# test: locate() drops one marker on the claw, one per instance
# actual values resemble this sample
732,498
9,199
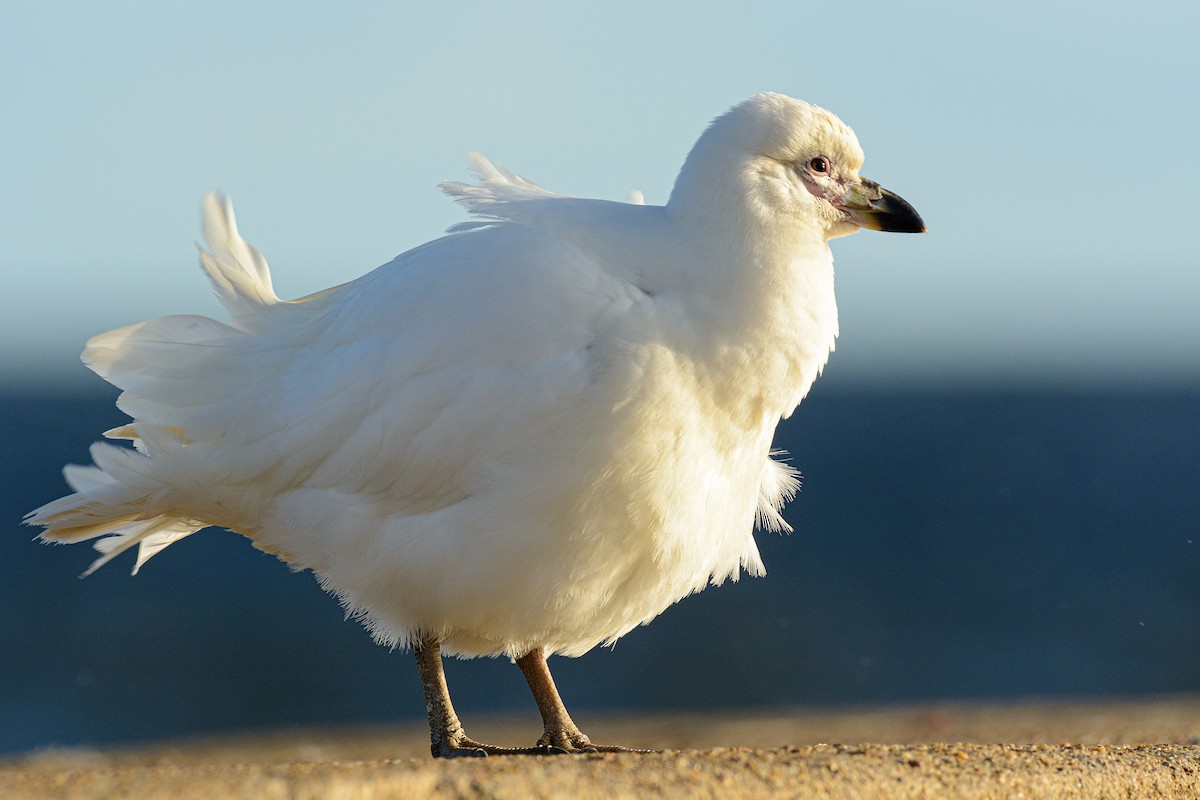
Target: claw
446,751
459,745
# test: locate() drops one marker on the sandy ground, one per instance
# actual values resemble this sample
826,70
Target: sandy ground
1102,750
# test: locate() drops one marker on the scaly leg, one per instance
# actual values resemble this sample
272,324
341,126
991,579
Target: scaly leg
447,739
561,734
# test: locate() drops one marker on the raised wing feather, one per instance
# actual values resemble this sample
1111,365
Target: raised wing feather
401,386
398,393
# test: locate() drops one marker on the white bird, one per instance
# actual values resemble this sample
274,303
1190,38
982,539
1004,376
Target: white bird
526,437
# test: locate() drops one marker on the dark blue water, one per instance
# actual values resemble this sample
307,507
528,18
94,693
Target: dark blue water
949,544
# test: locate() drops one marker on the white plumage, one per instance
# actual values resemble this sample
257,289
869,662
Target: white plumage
538,431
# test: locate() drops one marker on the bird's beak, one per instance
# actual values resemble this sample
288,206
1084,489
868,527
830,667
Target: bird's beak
869,205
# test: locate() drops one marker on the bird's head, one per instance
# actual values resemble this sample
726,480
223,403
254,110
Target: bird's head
784,159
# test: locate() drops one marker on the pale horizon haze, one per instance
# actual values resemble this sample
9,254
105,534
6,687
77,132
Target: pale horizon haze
1050,147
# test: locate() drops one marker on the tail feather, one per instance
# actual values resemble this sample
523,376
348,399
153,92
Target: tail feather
239,273
151,537
173,372
111,503
164,365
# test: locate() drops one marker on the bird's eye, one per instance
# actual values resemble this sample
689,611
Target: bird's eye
819,165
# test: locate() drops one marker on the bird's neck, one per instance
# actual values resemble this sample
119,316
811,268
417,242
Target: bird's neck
749,301
761,309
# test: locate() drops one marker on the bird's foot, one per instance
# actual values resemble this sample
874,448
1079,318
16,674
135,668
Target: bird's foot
456,744
467,749
563,742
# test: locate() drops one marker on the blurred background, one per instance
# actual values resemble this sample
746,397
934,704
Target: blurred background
1001,464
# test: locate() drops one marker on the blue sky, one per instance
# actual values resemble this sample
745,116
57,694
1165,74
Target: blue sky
1051,148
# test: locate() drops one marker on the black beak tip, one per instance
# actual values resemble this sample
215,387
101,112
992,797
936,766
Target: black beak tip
896,215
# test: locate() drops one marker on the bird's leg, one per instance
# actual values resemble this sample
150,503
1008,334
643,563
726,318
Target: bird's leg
446,737
561,734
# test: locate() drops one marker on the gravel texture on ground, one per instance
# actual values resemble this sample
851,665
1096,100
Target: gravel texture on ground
1101,750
